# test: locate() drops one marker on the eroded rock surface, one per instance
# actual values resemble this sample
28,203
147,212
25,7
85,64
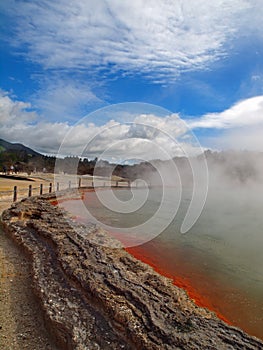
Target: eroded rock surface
96,296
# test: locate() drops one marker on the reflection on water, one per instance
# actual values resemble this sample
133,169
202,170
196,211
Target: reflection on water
219,261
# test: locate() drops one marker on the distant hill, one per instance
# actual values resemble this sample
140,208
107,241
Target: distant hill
15,154
17,148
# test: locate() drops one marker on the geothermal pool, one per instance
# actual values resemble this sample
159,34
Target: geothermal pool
219,261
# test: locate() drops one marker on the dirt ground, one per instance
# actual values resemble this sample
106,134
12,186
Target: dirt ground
21,322
7,187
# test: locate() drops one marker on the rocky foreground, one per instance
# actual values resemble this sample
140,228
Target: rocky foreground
96,296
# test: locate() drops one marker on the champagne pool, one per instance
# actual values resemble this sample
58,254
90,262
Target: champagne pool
219,262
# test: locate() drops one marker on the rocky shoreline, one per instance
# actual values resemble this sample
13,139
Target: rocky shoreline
96,296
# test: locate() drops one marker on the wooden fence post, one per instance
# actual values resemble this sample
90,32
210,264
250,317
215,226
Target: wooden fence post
50,187
79,182
69,184
57,186
15,194
29,190
41,189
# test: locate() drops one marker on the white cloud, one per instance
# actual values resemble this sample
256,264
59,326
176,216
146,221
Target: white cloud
248,112
14,112
240,127
148,137
171,124
19,124
160,39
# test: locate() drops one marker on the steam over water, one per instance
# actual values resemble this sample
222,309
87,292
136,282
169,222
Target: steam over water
219,261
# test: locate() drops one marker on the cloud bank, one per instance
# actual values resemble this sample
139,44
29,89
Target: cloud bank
147,136
239,127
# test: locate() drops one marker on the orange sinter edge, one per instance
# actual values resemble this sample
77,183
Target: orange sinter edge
198,299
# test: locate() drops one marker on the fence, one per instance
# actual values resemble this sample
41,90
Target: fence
16,193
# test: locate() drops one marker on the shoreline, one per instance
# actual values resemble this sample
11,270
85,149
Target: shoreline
198,299
35,213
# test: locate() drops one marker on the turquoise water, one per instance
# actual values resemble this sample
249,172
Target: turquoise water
220,257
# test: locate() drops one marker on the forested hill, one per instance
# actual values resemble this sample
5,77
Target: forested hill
16,150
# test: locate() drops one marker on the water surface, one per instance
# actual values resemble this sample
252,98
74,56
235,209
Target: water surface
219,261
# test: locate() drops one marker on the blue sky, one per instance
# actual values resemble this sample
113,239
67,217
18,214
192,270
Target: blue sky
62,60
